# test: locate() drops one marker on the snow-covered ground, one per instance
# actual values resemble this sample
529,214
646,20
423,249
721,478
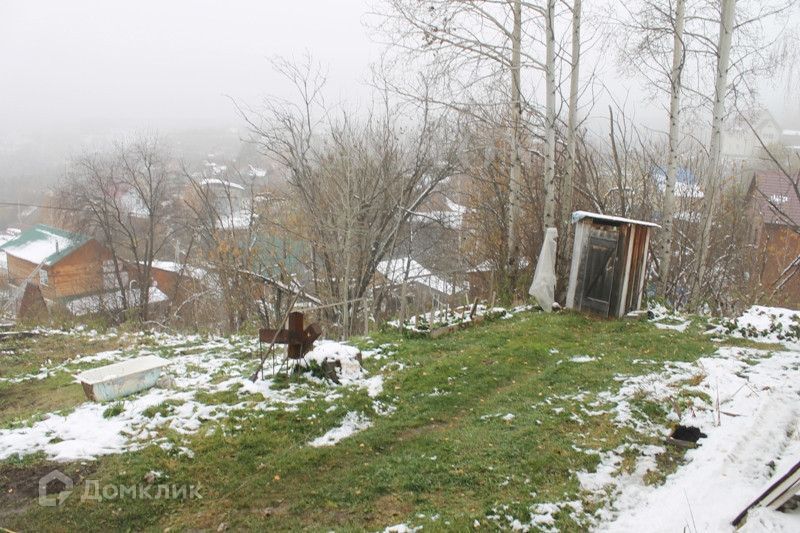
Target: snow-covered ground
752,429
747,402
765,324
449,317
198,367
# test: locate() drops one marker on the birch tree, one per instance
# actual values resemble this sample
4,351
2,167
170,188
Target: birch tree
752,42
572,117
515,178
654,46
668,209
726,27
550,118
470,44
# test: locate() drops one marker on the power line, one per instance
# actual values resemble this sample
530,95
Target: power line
19,204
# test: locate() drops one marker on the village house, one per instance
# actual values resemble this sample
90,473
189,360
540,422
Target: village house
687,192
228,202
61,263
435,235
744,142
775,212
178,281
403,277
69,269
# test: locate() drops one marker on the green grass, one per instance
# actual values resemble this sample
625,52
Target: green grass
114,409
435,455
24,401
27,355
163,409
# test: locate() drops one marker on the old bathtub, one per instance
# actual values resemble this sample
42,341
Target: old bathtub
120,379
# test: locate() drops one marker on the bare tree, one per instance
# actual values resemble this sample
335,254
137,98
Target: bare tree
358,181
227,225
125,197
572,118
550,117
676,74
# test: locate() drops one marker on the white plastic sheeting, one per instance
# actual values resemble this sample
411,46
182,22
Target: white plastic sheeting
543,287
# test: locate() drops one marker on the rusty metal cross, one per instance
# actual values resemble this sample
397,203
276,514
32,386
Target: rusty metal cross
299,340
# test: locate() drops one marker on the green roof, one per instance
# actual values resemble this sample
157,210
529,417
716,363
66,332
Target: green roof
44,244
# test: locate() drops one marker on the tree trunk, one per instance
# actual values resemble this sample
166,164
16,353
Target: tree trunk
515,178
572,119
572,141
668,206
727,16
550,132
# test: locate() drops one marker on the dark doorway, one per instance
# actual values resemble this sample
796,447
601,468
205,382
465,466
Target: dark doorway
598,282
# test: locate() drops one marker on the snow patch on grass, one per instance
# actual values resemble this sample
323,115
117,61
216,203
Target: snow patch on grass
352,423
423,324
210,381
663,318
402,528
764,324
541,517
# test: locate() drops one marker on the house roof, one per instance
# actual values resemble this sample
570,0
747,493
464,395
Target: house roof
44,244
776,200
111,301
682,175
395,271
179,268
227,184
577,216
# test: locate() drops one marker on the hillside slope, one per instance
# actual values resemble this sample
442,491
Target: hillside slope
540,421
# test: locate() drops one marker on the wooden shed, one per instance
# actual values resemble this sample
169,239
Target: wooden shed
609,263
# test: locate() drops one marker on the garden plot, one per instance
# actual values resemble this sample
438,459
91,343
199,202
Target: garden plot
209,382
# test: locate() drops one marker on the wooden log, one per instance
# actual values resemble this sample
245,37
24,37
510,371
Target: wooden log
474,309
439,332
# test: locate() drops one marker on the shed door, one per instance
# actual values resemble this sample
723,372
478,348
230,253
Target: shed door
598,281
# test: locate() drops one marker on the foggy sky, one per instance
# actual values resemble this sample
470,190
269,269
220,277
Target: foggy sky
85,64
90,65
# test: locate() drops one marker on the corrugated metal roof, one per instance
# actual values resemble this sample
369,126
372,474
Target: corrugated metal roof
44,244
